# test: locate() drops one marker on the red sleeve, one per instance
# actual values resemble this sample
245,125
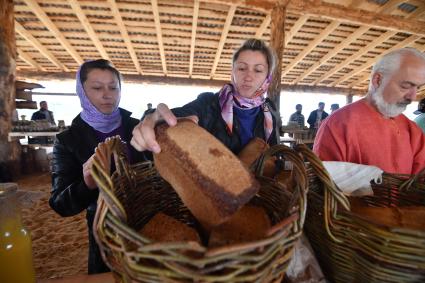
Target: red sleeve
329,143
418,147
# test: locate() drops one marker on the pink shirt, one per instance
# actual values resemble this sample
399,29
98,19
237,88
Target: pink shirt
360,134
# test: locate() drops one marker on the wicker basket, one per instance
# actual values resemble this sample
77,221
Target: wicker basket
352,249
135,193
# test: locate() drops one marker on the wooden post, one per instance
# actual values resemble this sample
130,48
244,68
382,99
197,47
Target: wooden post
277,42
349,98
9,152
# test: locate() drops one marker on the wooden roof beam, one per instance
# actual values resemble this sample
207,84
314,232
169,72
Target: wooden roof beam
319,38
37,45
356,3
155,12
42,16
224,33
193,37
388,7
149,79
338,12
371,61
264,25
295,28
29,60
356,55
123,30
419,12
344,43
89,29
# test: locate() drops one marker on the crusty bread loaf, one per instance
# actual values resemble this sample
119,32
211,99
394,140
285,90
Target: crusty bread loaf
163,228
252,151
412,217
211,181
249,224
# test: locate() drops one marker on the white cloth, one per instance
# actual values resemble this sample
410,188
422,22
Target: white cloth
353,179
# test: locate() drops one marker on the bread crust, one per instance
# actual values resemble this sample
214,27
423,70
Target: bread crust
208,177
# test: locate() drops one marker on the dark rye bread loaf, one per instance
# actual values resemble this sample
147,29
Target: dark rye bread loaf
211,181
163,228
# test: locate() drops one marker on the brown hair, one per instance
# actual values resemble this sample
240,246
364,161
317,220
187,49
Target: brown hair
254,44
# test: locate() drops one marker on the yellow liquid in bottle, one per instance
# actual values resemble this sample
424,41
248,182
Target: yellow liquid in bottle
15,254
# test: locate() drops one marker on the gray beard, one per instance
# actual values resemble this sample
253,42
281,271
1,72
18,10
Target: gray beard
387,109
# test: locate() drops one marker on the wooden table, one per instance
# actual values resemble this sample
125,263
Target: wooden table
95,278
293,141
12,135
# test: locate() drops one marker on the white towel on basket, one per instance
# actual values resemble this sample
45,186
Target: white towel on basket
353,179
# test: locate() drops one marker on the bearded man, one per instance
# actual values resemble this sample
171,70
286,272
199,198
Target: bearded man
373,130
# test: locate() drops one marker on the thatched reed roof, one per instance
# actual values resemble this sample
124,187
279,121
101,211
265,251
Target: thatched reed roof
328,44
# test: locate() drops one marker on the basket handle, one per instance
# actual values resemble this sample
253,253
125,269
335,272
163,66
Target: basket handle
300,173
332,195
101,172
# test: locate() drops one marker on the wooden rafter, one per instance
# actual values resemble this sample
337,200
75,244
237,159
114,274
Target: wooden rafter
356,3
193,82
319,38
259,33
366,65
223,37
29,60
332,53
42,16
356,55
295,28
37,45
337,12
89,29
419,12
123,30
390,6
155,11
193,36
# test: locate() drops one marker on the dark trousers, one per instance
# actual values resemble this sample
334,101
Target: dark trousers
95,262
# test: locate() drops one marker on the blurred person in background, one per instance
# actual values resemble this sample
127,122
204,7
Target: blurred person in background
44,113
420,120
297,116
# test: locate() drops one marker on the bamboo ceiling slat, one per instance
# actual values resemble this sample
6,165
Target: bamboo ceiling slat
330,43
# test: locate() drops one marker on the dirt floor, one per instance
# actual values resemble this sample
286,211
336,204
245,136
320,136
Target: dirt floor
60,244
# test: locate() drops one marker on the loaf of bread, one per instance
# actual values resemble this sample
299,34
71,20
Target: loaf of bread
249,224
412,217
211,181
252,151
163,228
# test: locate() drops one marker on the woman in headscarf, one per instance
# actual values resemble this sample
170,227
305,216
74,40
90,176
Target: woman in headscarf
74,190
239,112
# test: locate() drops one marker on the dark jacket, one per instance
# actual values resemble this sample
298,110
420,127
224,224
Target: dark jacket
70,195
313,117
208,110
38,115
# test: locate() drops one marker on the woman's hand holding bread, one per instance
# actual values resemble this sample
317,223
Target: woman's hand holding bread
144,134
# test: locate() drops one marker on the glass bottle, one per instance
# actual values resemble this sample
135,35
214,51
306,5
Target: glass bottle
16,264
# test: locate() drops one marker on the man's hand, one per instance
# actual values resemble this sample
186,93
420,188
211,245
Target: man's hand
144,133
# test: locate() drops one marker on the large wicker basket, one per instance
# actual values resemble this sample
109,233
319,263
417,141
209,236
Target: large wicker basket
350,248
134,193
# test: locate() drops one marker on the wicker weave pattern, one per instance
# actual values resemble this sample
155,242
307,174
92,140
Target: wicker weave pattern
133,194
352,249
